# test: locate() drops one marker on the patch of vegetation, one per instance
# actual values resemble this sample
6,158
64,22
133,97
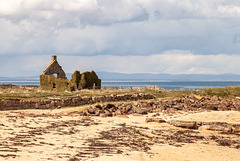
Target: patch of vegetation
225,92
88,80
50,82
74,82
175,93
38,93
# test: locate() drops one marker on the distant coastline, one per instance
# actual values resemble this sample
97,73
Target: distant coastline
165,81
167,85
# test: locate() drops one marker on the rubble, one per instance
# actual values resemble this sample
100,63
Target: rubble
122,104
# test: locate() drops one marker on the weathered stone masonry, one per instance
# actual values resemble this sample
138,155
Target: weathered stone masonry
54,68
20,104
86,80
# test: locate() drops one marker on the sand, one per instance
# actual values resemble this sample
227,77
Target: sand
62,134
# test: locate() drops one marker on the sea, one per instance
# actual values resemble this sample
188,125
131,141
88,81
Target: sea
167,85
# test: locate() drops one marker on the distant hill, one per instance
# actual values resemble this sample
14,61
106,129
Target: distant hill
107,76
31,78
168,77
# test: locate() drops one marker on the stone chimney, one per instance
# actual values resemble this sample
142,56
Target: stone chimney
54,57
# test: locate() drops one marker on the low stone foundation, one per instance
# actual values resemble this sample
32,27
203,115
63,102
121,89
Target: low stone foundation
11,86
19,104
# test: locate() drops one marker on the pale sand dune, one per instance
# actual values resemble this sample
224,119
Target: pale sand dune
52,135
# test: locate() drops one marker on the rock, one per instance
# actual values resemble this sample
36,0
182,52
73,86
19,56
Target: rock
137,114
102,115
141,110
97,113
123,116
211,107
174,102
215,98
216,128
199,123
177,107
215,123
144,104
108,114
86,99
98,107
83,113
88,114
74,159
236,128
91,111
118,112
155,115
184,124
200,98
128,108
109,106
158,120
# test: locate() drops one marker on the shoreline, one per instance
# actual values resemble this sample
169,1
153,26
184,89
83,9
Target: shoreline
128,84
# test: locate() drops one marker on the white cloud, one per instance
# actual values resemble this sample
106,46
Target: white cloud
127,27
178,62
124,30
170,62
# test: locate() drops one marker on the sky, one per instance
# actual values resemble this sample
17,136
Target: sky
127,36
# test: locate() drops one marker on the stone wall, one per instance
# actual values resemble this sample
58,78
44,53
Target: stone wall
5,86
11,86
89,80
19,104
86,80
50,82
54,68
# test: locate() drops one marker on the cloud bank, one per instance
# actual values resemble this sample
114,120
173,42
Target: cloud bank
113,27
170,62
131,36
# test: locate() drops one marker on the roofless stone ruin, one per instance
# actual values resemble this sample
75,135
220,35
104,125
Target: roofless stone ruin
54,78
54,68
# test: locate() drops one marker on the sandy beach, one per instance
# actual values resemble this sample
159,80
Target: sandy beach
62,134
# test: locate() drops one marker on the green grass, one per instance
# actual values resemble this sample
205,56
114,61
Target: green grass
37,93
225,92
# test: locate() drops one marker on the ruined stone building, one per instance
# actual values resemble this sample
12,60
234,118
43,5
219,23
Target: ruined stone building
54,78
54,68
